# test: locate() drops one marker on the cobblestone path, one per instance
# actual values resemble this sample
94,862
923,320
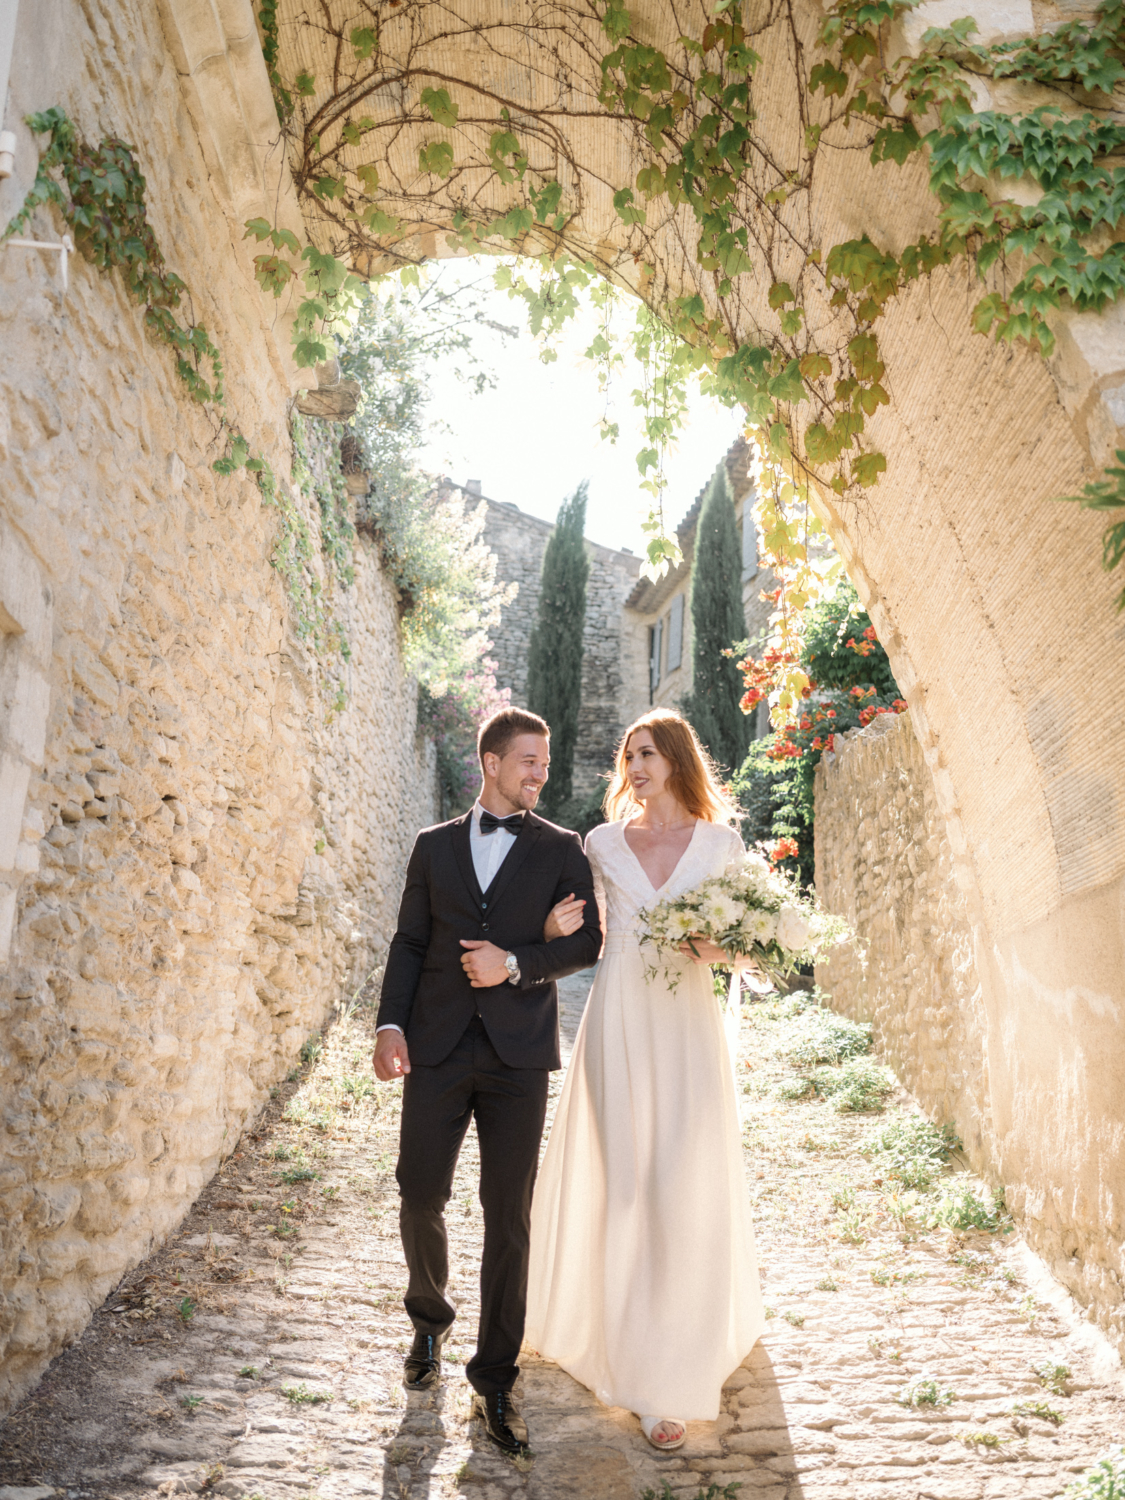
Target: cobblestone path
259,1352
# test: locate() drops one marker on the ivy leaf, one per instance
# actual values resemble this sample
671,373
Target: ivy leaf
857,46
791,321
868,467
863,351
380,223
622,202
821,446
788,386
515,222
306,85
891,144
616,21
830,79
330,187
870,397
261,229
813,366
368,175
364,42
546,200
440,106
436,158
781,293
650,181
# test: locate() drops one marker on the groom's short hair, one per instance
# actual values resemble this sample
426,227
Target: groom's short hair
498,732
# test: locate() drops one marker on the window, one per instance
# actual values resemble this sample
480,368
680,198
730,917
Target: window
655,638
749,535
675,634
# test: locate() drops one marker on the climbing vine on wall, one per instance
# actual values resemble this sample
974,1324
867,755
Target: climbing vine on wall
101,196
807,368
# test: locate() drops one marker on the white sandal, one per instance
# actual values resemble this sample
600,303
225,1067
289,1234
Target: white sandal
649,1426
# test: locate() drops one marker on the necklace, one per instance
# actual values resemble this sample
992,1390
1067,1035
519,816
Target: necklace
664,827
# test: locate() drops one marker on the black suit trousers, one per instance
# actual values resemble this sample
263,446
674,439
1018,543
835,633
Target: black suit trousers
509,1106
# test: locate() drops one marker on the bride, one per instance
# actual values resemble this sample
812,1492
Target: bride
643,1278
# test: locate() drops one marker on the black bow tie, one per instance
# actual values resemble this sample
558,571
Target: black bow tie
489,822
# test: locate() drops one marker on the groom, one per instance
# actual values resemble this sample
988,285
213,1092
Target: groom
469,1018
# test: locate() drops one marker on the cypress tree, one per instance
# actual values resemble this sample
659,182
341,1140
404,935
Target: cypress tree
718,623
554,658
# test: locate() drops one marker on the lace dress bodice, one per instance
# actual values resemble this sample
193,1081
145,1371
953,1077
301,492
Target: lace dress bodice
623,888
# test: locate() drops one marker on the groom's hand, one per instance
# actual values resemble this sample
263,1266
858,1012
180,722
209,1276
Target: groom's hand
484,964
391,1058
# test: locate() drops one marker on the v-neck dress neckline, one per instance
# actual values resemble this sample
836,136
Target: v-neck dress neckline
656,889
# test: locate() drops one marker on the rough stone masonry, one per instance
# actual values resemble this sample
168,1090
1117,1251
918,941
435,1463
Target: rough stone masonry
198,855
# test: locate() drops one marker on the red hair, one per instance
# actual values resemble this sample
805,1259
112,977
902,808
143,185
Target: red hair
694,781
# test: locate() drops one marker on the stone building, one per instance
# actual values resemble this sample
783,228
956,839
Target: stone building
659,613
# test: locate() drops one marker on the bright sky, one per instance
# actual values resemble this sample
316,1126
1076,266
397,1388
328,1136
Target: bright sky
534,437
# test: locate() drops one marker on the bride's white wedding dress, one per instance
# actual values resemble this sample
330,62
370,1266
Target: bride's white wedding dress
644,1279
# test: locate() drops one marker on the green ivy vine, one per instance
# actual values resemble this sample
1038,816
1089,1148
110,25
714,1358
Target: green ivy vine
102,199
810,375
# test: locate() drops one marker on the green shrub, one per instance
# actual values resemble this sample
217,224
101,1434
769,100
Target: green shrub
961,1209
1104,1481
911,1150
859,1087
821,1036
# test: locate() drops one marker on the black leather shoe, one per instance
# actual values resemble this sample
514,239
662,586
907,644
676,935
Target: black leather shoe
502,1421
421,1369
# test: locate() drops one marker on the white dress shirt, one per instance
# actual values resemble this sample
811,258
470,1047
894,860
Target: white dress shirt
489,850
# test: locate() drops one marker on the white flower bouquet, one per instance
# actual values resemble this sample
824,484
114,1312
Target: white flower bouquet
751,911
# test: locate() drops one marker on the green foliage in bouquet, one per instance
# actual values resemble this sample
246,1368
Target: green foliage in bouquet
751,910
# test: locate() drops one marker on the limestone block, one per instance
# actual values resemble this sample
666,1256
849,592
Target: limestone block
14,778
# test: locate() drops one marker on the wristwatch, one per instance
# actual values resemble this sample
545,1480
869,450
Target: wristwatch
511,963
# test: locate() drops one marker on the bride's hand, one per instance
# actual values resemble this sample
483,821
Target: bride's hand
702,951
563,919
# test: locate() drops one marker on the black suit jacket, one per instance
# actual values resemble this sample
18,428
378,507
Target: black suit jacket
425,989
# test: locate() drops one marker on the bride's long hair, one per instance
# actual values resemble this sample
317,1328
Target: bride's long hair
694,781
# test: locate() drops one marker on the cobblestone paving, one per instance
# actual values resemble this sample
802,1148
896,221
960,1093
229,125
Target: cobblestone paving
259,1352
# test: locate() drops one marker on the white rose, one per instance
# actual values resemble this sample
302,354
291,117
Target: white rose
792,929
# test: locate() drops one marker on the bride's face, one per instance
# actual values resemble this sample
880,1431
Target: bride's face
645,767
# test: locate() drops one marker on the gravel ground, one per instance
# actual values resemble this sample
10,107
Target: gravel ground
258,1353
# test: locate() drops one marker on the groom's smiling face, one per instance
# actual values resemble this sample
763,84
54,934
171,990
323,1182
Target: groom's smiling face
518,776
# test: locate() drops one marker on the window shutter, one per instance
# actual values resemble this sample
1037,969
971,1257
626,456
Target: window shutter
675,634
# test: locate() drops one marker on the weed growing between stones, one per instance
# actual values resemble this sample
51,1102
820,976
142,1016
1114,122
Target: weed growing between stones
924,1390
301,1395
1052,1376
1038,1409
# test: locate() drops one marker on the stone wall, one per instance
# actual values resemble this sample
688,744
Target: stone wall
612,651
199,850
884,862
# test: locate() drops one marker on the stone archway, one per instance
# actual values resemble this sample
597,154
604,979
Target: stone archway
999,621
